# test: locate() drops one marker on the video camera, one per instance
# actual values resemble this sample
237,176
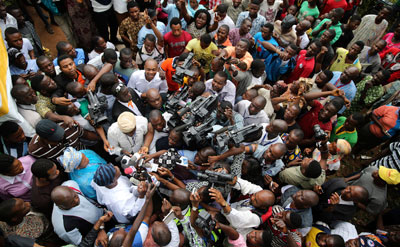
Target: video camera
97,106
319,133
184,69
197,135
205,222
229,134
171,158
215,177
177,100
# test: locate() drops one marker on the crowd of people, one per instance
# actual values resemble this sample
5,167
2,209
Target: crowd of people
233,123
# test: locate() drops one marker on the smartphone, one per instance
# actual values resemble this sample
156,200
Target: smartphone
194,190
73,100
170,216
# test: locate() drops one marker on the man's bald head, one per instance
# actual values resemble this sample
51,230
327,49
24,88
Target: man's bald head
89,71
278,126
154,98
160,233
153,93
263,199
349,74
257,105
150,62
280,148
64,197
197,89
305,199
180,197
155,114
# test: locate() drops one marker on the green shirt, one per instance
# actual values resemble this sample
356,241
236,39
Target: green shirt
337,28
350,136
293,176
307,11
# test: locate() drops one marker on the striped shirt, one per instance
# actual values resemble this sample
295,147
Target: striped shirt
391,161
40,149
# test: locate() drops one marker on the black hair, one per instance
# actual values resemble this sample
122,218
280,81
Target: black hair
199,86
40,168
254,136
269,26
206,39
182,57
62,110
388,8
247,43
332,32
126,51
358,117
360,44
338,103
175,21
226,27
110,54
163,237
298,132
386,74
63,57
294,47
266,238
6,162
14,93
6,208
14,79
313,169
154,114
203,11
222,8
355,18
253,171
151,13
338,241
106,78
10,31
60,47
222,74
257,64
328,74
225,104
246,19
132,4
150,37
95,39
295,220
339,11
317,43
36,82
41,59
8,128
256,2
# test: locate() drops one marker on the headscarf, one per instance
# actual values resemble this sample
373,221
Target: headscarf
104,175
191,11
71,159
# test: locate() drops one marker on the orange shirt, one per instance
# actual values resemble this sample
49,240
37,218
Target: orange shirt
226,43
80,78
247,58
167,67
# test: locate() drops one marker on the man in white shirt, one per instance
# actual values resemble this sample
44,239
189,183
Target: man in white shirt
14,39
108,56
221,86
302,37
6,20
143,80
252,112
117,193
222,11
26,99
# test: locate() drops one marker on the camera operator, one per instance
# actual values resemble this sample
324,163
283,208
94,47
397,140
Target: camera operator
225,116
320,114
221,86
253,111
196,90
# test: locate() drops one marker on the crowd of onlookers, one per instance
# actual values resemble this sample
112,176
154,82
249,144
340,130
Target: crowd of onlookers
112,146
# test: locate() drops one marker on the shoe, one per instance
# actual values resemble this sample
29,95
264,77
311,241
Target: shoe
49,29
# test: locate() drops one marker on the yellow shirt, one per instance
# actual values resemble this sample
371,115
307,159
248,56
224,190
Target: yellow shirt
203,56
340,65
311,238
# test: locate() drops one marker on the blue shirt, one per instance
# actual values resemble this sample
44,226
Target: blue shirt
172,12
32,67
80,57
260,51
349,89
256,25
144,31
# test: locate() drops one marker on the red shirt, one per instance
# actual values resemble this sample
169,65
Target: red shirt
333,4
311,118
176,45
168,68
390,53
304,67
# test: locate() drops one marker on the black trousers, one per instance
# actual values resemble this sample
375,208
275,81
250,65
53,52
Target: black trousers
105,20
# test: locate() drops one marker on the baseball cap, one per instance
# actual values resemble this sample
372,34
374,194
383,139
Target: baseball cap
390,176
13,53
49,130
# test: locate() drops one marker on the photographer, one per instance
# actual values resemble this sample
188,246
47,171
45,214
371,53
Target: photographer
320,114
225,116
221,86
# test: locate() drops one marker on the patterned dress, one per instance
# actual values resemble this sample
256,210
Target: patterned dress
131,28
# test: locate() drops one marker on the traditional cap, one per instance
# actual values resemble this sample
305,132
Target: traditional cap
126,122
104,175
390,176
343,147
49,130
71,159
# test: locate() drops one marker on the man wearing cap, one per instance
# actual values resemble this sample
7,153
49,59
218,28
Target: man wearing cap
129,134
375,180
52,139
117,193
19,65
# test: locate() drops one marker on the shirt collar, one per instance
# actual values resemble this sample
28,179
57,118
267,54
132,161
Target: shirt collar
11,179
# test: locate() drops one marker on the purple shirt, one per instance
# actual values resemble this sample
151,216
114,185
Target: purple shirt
18,186
235,37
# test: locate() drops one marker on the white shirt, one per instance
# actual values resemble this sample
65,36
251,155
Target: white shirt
243,108
122,200
268,11
94,54
227,93
120,6
304,40
140,84
98,7
30,114
226,21
264,137
26,47
10,21
97,61
121,141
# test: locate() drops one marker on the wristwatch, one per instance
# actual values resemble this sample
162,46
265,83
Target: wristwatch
224,205
194,208
101,227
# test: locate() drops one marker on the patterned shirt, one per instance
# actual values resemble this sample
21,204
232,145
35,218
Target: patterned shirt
44,105
131,28
32,226
256,24
234,36
372,95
